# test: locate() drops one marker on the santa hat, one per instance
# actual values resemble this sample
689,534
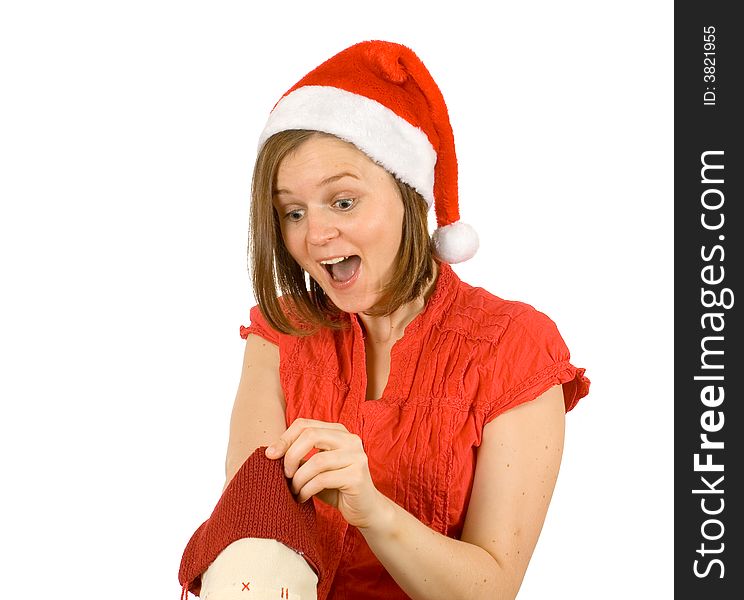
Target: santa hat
380,97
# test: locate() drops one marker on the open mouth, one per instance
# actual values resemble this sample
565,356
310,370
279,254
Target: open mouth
342,268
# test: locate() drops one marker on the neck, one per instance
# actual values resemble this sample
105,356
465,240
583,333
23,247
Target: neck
389,328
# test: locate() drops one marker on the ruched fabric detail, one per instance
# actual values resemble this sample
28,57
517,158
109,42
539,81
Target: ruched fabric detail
468,357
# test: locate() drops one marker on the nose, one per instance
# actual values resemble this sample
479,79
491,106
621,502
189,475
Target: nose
320,228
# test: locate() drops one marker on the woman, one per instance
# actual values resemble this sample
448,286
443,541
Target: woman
425,416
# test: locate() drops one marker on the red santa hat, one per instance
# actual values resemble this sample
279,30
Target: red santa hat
380,97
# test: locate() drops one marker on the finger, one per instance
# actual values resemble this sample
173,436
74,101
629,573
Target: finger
320,462
325,480
315,437
279,447
347,480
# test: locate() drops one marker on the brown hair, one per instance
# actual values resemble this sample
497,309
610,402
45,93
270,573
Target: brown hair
275,272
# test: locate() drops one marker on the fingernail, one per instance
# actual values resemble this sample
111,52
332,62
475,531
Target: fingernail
270,451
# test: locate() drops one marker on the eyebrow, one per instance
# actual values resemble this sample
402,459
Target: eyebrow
325,181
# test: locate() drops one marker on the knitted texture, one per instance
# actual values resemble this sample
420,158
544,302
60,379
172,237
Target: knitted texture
257,503
468,357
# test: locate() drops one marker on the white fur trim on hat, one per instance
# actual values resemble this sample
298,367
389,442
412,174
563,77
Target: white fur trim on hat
389,140
456,242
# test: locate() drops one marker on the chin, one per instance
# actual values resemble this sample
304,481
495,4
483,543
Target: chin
350,300
351,306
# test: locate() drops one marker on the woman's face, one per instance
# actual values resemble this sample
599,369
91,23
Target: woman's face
341,218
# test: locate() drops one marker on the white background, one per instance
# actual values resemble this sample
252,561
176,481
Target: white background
127,140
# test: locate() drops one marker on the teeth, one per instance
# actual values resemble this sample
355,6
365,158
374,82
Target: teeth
333,261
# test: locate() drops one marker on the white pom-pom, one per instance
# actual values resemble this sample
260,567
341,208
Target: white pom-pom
456,242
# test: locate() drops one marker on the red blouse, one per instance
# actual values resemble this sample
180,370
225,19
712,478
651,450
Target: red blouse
465,359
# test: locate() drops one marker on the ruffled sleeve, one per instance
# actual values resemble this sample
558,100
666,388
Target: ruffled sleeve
260,326
530,358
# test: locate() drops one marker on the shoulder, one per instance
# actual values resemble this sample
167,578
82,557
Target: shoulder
514,345
259,325
518,350
479,314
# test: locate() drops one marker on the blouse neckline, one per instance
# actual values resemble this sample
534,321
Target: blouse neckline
440,298
445,288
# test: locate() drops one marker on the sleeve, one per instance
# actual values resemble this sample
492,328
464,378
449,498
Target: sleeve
530,358
260,326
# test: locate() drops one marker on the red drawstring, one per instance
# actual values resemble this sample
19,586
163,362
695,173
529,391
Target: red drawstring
185,591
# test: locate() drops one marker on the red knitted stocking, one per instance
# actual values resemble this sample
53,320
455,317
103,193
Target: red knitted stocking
257,503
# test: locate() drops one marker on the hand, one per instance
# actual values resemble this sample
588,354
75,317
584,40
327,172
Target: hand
337,472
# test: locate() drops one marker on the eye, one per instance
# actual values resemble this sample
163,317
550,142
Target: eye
344,203
294,215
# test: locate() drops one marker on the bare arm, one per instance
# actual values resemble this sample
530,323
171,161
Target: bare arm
257,420
515,474
258,415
